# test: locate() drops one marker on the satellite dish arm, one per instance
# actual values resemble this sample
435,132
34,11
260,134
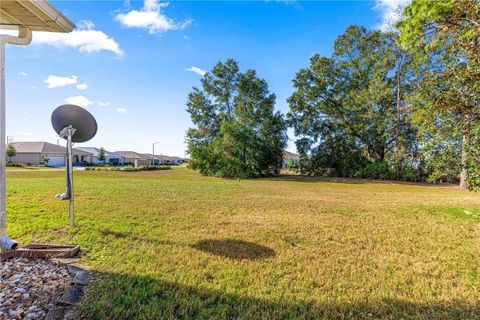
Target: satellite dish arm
67,134
68,192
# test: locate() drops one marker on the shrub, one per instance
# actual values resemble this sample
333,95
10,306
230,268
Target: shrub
408,174
376,170
334,156
14,164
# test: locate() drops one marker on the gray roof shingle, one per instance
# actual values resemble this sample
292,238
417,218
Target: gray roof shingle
131,155
94,151
44,147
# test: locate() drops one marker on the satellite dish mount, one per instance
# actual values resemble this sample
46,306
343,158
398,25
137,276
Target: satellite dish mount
73,124
67,134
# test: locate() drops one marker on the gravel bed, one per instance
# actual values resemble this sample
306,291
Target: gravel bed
29,288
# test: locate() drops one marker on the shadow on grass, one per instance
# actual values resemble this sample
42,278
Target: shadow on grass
121,296
228,248
235,249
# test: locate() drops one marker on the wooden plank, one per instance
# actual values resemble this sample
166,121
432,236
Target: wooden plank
39,250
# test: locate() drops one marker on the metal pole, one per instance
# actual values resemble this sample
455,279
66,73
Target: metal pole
153,152
24,38
3,152
70,175
5,242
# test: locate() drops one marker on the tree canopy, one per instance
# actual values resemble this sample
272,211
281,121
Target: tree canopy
444,36
348,109
237,133
403,104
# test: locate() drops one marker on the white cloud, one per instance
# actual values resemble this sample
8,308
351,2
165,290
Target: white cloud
23,74
57,81
102,104
391,11
33,88
82,86
81,101
150,17
196,70
121,110
85,24
84,39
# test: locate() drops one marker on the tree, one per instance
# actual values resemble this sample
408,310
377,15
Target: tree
237,133
291,164
445,37
349,109
405,134
45,159
11,152
101,156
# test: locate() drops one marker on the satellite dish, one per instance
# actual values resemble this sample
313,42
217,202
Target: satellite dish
73,124
80,119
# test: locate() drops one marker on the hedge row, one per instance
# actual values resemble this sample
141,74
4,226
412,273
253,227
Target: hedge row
129,169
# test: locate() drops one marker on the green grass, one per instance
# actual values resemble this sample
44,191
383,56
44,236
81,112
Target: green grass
174,245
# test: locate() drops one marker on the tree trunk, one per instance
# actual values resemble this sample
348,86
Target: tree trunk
397,129
399,114
464,173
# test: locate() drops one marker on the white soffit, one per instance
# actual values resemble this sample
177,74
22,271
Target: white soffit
38,15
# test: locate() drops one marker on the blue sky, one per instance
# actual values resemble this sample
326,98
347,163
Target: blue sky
128,62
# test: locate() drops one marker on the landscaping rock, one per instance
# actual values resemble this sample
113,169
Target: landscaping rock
71,296
29,287
56,313
81,278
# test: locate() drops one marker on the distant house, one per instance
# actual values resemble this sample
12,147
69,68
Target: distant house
164,160
134,158
176,160
34,153
290,156
155,161
110,157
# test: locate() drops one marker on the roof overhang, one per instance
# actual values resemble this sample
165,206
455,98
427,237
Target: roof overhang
37,15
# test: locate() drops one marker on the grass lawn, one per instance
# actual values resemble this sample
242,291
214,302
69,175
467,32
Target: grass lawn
175,245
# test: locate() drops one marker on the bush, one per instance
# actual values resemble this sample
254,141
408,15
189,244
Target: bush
103,165
334,156
14,164
376,170
408,174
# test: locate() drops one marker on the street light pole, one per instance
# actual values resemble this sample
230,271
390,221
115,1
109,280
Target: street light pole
153,153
